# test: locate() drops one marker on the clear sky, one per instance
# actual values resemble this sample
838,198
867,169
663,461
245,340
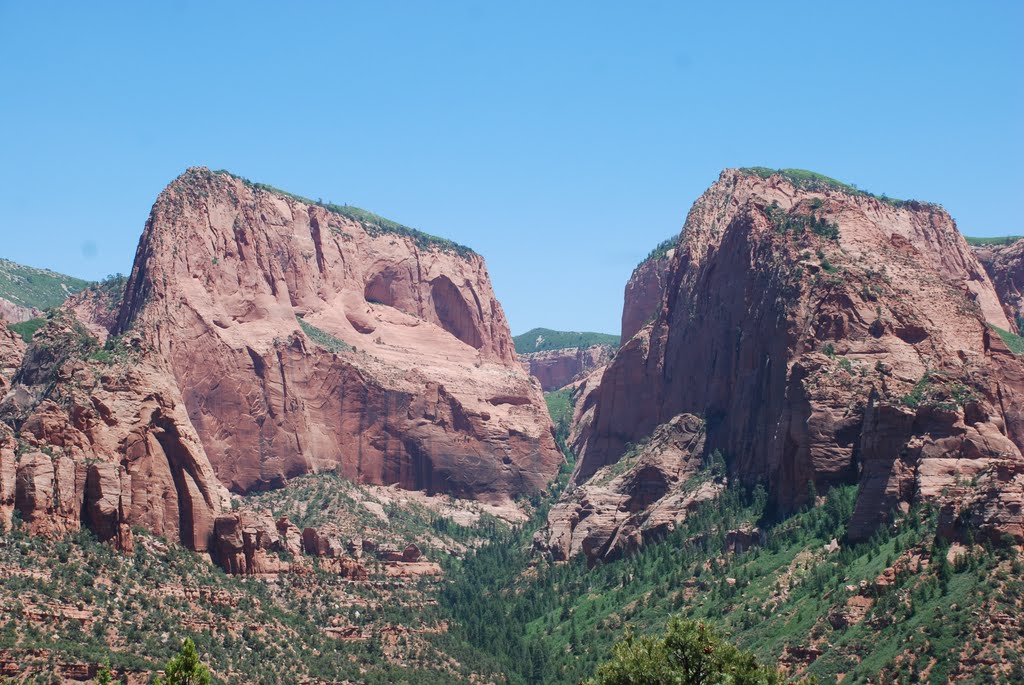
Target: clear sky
560,140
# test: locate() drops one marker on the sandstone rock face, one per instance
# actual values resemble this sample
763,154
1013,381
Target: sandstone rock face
249,543
8,475
645,292
401,370
1005,266
13,313
120,450
639,498
97,307
826,337
12,350
558,368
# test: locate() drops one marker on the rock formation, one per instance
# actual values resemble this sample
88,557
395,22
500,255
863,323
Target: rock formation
14,313
826,337
639,498
307,338
1005,266
12,350
558,368
645,289
107,443
252,543
261,337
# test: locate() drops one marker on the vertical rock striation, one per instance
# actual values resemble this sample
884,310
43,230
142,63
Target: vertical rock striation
307,338
826,337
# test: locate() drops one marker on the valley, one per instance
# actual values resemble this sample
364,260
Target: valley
303,436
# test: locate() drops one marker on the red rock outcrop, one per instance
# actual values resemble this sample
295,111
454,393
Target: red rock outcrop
1005,266
12,350
13,313
8,475
645,290
639,498
558,368
249,543
304,339
107,442
97,306
827,337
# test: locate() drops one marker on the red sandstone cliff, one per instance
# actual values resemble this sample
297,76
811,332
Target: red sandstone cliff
1005,266
558,368
262,337
103,442
305,340
862,357
645,290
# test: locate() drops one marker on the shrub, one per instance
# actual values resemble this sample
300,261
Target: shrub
690,653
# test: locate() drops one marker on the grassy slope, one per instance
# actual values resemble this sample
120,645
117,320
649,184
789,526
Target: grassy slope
27,286
1013,341
560,340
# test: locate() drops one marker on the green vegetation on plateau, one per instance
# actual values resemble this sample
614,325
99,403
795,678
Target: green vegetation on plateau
322,338
810,180
544,339
373,223
994,240
27,286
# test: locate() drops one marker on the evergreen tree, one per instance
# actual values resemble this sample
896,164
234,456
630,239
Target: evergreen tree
689,653
185,668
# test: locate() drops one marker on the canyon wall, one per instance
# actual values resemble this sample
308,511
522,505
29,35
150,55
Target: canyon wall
558,368
824,336
260,337
1005,266
305,338
645,291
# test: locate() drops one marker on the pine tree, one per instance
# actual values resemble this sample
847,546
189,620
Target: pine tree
185,668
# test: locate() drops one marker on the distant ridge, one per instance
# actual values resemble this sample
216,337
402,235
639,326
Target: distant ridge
27,286
544,339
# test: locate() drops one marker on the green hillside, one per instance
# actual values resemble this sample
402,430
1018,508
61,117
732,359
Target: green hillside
992,240
803,591
543,339
27,286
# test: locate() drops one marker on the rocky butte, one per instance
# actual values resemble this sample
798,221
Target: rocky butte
262,336
808,335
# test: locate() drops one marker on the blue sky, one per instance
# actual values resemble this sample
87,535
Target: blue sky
560,140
